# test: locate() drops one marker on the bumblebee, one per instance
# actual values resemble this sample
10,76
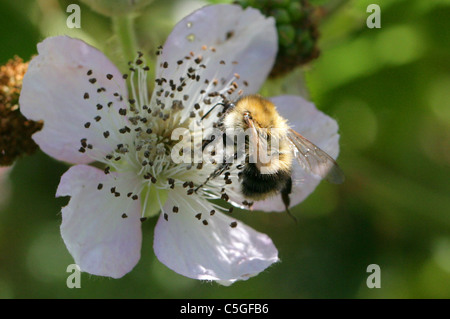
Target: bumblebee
259,178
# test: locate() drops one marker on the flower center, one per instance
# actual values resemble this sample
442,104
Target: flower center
141,135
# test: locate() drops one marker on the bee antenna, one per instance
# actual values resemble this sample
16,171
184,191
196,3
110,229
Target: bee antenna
226,105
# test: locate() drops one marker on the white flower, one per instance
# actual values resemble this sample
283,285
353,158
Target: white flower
90,115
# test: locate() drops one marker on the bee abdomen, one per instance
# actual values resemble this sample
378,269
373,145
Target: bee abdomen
258,186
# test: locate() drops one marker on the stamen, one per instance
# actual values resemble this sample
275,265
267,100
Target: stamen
144,139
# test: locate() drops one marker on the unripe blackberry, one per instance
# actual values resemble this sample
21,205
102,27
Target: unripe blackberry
297,31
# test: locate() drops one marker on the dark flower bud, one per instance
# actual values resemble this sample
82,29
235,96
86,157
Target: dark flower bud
15,129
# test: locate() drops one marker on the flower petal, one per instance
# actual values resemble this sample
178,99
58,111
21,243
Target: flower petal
215,251
58,90
101,231
222,43
316,126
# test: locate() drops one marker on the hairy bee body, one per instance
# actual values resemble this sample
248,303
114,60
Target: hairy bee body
270,132
262,180
257,186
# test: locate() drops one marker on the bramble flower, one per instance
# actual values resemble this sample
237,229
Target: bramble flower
217,53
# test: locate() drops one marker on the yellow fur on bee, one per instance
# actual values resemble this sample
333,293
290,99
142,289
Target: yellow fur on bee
269,125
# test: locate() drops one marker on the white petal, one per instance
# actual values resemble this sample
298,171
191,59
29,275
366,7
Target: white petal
244,40
215,251
53,90
305,118
316,126
101,241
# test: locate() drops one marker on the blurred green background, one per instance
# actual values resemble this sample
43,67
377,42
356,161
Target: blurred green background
389,90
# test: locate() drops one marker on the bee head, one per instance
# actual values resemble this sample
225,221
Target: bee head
254,111
248,121
247,116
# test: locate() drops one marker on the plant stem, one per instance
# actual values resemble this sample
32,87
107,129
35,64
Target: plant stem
332,7
124,29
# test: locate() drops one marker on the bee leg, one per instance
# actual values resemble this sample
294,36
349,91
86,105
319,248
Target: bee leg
205,143
214,174
201,185
290,215
285,198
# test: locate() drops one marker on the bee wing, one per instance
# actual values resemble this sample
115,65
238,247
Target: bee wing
313,159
